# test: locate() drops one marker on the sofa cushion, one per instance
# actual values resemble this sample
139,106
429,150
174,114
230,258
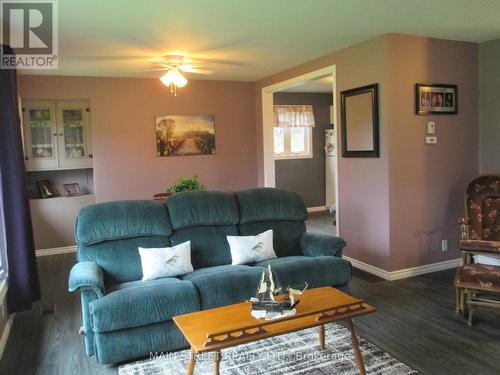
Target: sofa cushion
126,344
209,246
286,235
197,208
316,271
270,204
225,285
482,276
140,303
119,259
121,219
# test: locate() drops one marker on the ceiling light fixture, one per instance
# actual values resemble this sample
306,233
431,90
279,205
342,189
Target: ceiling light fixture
173,79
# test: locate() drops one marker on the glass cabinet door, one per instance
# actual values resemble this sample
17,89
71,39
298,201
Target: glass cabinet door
40,136
73,135
57,135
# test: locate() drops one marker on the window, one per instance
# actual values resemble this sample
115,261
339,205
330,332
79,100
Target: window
292,143
293,126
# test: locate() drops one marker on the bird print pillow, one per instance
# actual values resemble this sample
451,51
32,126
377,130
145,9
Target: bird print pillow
166,262
251,249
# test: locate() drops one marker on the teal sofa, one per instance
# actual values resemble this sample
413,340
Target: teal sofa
125,317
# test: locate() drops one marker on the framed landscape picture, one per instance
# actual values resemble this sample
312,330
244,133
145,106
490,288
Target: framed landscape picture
436,99
185,135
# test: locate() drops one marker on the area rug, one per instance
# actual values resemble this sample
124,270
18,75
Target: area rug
294,353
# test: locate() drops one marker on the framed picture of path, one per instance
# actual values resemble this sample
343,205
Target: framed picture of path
178,135
436,99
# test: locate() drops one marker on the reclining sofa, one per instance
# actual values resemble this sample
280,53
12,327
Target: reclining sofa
125,317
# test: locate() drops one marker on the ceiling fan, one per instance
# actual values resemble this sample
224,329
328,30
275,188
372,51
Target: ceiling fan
175,65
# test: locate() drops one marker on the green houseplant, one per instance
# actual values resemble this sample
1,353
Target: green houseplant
186,183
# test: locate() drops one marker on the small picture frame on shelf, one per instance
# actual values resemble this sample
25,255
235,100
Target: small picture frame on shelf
45,189
72,190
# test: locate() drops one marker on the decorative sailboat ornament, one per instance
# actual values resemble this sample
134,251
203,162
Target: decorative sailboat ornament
269,303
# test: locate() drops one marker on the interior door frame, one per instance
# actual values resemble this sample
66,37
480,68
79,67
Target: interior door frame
267,127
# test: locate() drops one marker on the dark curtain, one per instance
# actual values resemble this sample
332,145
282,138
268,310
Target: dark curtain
23,273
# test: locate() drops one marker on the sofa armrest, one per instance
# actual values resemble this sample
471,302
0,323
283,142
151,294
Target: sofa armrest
315,245
87,275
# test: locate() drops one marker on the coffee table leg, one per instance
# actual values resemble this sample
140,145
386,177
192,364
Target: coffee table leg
192,362
321,330
218,357
355,345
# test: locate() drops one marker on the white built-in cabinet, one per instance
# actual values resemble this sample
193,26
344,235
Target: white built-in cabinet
57,135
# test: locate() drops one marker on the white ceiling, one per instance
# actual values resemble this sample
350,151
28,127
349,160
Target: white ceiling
248,40
321,84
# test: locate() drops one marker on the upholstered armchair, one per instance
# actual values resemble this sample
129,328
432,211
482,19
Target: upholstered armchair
478,285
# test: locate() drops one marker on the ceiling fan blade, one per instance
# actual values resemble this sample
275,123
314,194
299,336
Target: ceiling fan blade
199,59
104,57
202,71
196,70
151,70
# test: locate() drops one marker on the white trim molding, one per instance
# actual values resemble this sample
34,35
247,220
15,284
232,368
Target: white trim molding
3,290
5,334
406,272
268,134
8,324
317,209
56,251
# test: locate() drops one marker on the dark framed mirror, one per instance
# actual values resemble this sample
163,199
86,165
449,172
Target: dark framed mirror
359,121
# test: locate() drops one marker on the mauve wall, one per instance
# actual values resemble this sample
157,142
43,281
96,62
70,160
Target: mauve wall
363,182
396,209
489,107
123,132
427,182
307,176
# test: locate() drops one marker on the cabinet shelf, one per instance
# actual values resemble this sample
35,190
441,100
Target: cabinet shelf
63,197
55,169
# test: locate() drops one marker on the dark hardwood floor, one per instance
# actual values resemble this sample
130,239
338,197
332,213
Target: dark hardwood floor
415,322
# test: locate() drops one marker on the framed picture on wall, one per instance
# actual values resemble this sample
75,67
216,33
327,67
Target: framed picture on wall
439,99
185,135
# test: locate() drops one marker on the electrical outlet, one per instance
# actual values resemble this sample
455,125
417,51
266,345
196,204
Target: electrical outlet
431,127
431,140
444,245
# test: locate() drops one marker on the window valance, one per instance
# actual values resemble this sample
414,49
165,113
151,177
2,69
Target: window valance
291,116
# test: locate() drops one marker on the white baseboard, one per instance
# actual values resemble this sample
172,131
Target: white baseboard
56,251
368,268
5,334
317,209
406,272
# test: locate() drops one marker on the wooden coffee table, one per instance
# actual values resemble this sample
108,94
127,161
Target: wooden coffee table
223,327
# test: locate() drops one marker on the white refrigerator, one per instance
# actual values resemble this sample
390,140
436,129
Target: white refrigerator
330,165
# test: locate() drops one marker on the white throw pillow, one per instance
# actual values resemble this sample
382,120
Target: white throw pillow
165,262
250,249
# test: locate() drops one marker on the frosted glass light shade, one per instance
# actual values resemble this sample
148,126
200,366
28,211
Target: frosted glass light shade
173,77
